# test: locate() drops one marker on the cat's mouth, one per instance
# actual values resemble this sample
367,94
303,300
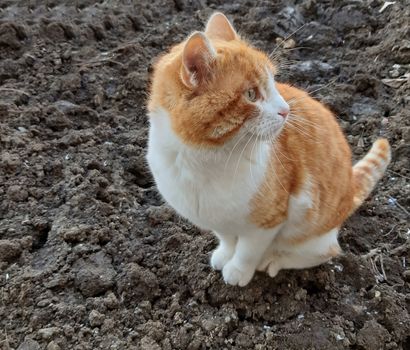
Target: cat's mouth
268,130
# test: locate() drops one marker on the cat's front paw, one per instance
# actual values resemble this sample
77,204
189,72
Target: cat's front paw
220,257
237,276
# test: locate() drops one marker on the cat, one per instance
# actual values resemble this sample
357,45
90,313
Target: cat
260,163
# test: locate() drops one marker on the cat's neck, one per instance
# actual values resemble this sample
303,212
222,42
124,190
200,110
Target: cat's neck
229,156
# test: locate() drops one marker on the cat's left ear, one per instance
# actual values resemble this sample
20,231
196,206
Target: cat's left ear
219,27
197,59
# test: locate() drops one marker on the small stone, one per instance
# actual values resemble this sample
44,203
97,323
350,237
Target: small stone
394,73
66,106
179,318
96,319
405,132
53,346
44,303
29,344
209,325
48,333
29,59
148,343
76,233
98,100
301,294
289,44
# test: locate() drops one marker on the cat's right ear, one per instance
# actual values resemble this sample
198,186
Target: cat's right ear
197,57
219,27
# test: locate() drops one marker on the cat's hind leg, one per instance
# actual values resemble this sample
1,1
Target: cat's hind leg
300,255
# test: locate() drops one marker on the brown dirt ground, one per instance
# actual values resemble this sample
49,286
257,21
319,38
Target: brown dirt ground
91,258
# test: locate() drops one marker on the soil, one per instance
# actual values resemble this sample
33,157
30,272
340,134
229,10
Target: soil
92,258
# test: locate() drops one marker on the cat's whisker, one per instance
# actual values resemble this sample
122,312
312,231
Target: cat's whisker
293,100
300,48
303,121
298,122
276,175
285,62
299,129
239,159
285,156
271,165
251,161
303,132
233,148
298,109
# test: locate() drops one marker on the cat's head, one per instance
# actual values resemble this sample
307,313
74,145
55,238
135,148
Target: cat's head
215,87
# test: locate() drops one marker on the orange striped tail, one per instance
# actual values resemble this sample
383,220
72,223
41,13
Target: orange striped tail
369,170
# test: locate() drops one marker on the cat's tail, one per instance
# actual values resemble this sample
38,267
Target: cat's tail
369,170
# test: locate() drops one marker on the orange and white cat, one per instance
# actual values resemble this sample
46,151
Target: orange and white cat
260,163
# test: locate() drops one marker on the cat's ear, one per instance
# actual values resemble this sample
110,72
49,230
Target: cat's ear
197,57
219,27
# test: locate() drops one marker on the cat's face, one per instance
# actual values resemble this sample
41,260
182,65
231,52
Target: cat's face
221,89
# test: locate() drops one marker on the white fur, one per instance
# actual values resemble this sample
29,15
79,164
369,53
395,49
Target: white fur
271,122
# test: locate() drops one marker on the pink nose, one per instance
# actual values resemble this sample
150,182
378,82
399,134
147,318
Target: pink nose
284,112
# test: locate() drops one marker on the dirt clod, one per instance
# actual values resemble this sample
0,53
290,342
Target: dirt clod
9,249
95,318
95,275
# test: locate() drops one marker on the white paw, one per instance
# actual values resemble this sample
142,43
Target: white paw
273,269
263,265
220,257
236,276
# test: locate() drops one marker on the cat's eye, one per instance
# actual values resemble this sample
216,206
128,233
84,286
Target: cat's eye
251,95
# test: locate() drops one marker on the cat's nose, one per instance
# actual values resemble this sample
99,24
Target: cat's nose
284,112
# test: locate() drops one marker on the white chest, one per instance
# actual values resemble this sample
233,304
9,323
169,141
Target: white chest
211,189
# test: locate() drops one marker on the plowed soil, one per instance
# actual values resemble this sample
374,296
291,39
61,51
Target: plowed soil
92,258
